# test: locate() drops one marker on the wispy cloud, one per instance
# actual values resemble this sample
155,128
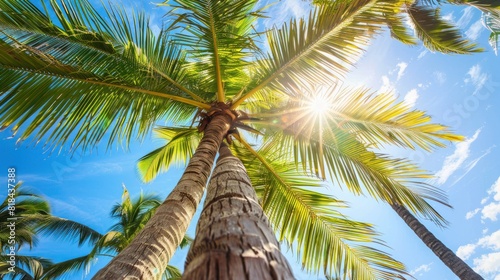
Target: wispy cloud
411,97
453,162
474,30
387,85
421,269
466,17
469,215
476,77
440,77
422,54
472,164
402,67
285,10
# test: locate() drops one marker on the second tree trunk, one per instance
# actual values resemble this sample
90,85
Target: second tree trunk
233,237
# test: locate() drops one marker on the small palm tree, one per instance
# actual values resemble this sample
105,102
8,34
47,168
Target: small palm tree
30,208
131,216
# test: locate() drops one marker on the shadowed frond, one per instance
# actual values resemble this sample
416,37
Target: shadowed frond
181,144
436,34
309,219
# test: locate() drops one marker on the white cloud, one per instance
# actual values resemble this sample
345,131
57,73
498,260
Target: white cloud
485,231
495,190
453,162
475,30
471,165
488,264
422,268
422,54
387,86
402,67
465,18
477,77
491,211
484,200
472,213
449,17
411,97
440,77
491,241
285,10
464,252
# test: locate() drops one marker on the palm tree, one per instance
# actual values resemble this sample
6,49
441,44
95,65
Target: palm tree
96,77
131,216
29,209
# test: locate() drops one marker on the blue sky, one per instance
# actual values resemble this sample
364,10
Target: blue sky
456,90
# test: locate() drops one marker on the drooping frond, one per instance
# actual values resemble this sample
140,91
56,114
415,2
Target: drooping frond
70,266
218,37
171,273
67,230
69,89
325,239
181,144
319,48
436,34
350,164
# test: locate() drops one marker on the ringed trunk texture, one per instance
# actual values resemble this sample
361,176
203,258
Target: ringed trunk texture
233,237
447,256
147,256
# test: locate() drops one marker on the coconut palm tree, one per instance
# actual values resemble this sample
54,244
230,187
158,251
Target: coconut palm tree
113,78
131,216
28,209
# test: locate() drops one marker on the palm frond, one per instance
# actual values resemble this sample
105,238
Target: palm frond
218,38
27,267
171,273
350,164
319,48
436,34
181,144
70,266
325,239
67,230
73,90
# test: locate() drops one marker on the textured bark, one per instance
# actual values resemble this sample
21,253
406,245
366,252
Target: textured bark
456,264
148,254
233,236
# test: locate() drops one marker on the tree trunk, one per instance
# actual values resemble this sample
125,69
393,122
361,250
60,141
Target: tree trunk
456,264
233,236
147,256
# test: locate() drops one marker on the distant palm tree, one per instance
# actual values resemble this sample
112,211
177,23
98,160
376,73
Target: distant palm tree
72,75
131,216
29,209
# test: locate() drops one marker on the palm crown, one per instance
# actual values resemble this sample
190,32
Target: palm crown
72,75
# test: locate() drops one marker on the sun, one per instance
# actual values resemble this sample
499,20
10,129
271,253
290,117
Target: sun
319,104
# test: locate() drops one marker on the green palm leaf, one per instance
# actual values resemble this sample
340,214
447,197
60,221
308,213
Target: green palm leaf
325,238
181,145
27,267
67,229
218,39
320,48
83,91
437,34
